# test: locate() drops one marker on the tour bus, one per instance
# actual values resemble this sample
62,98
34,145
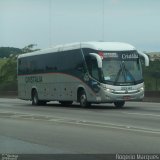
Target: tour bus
86,72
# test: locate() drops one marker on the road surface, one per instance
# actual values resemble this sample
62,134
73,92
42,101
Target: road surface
56,129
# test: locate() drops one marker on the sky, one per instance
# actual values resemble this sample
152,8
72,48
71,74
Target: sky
51,22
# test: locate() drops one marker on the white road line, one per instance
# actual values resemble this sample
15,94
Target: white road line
114,126
87,123
143,114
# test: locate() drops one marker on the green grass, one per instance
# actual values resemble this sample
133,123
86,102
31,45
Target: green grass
2,61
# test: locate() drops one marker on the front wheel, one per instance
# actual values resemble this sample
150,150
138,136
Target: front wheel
83,99
35,100
119,104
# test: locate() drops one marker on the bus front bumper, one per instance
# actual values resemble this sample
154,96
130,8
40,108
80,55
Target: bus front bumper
111,96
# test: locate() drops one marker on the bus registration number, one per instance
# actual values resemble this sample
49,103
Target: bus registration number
126,88
126,97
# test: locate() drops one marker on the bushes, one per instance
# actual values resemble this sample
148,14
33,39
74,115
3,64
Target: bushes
8,66
8,77
152,76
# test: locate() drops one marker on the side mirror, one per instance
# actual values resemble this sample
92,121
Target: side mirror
146,59
98,58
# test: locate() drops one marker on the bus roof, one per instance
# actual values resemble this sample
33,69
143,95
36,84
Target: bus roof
108,46
102,46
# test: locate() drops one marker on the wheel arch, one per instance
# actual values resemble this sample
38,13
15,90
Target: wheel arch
79,90
32,91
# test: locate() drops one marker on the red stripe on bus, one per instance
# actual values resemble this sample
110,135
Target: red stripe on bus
62,74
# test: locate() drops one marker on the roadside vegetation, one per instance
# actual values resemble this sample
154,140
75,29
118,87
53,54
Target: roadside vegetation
8,69
152,76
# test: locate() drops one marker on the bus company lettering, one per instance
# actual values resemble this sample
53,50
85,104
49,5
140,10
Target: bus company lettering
33,79
129,56
110,55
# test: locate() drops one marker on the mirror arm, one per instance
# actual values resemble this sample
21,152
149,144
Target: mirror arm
145,58
99,59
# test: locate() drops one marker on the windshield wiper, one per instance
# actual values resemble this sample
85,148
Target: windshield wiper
124,71
118,74
129,73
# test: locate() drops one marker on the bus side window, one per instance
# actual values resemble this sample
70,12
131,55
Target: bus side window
20,66
94,69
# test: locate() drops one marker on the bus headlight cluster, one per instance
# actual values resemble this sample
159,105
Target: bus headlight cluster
141,89
109,90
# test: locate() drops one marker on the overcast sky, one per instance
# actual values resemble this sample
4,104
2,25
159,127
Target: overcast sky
52,22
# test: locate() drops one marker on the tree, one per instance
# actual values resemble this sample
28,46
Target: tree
8,69
29,48
7,51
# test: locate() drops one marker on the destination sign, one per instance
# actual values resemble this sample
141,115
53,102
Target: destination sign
110,55
130,55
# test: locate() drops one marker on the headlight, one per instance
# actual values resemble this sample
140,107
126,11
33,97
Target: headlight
109,90
141,89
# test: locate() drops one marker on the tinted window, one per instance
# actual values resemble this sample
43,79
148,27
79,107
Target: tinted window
66,61
70,60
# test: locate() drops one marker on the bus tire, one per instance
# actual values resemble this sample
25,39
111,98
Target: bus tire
83,99
35,100
119,104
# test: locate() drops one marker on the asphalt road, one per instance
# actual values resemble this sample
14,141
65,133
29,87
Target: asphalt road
57,129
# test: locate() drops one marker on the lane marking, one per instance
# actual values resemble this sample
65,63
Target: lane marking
88,123
143,114
79,122
114,126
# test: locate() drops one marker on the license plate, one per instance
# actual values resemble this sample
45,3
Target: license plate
126,97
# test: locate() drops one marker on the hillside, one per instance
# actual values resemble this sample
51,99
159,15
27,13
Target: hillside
7,51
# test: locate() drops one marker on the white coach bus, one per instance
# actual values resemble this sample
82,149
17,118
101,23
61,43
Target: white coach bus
87,72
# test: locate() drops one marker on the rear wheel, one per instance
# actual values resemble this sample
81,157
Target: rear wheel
35,100
119,104
83,99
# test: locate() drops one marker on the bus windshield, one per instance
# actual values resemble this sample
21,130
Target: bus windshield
122,70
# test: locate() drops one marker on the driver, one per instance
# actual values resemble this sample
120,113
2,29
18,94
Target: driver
111,71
